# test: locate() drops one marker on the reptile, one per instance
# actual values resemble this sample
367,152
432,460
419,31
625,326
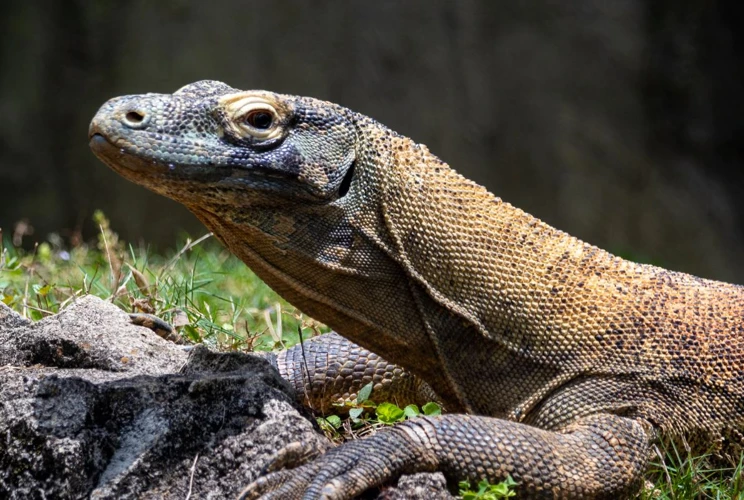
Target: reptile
558,363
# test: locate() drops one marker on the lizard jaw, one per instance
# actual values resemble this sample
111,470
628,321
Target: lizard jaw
119,160
186,182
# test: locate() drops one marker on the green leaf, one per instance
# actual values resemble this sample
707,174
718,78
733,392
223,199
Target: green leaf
364,393
192,333
488,491
388,413
334,420
325,425
431,409
44,252
354,413
483,485
411,411
465,492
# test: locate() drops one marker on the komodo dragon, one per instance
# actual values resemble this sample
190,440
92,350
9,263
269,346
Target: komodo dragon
564,361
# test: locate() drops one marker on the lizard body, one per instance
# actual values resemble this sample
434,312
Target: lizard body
569,361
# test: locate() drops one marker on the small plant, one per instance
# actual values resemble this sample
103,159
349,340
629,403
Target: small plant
389,413
386,413
331,426
362,403
365,416
488,491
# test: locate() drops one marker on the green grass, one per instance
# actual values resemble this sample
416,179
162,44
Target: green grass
217,300
677,475
224,303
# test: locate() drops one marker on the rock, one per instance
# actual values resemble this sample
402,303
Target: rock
93,406
423,486
90,334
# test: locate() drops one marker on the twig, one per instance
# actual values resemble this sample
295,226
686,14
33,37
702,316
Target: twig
306,372
3,250
274,334
664,468
28,278
29,306
191,477
188,246
111,266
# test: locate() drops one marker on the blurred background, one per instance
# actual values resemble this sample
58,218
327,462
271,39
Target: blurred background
620,122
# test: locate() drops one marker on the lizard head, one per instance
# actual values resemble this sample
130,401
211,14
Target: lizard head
210,144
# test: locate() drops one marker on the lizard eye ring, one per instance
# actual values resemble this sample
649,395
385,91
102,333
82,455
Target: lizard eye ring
258,119
252,116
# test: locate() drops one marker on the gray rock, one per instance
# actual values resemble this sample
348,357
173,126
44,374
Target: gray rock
90,334
423,486
92,406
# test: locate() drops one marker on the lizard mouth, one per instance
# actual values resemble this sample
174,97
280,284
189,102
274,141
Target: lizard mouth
137,167
172,179
118,159
122,161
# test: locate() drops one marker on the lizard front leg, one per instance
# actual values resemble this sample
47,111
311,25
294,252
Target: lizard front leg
329,369
599,456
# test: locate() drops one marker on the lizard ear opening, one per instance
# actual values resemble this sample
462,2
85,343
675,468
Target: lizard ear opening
346,181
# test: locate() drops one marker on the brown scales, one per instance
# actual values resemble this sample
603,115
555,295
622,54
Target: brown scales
570,360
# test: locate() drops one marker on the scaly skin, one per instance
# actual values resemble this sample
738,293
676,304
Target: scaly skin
569,360
328,371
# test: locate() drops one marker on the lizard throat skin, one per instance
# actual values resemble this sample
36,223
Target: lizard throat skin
570,361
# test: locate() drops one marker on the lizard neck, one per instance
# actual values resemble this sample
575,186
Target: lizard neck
361,295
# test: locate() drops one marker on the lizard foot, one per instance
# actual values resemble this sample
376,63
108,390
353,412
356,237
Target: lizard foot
347,470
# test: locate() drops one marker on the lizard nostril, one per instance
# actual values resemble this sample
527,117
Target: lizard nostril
136,119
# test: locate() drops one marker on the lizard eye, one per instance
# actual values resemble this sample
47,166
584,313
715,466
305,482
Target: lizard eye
260,118
251,116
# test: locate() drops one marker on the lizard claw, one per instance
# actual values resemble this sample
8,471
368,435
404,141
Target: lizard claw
347,470
291,456
266,486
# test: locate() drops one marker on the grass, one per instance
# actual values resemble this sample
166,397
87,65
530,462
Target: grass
213,298
209,294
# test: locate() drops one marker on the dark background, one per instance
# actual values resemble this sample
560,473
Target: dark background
620,122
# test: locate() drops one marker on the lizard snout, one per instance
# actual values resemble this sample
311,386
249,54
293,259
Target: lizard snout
118,115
